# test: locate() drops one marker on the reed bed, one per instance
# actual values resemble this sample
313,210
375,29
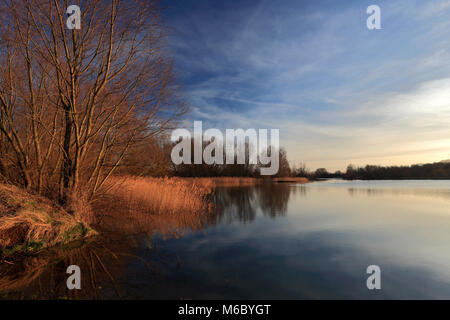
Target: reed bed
291,179
128,205
142,204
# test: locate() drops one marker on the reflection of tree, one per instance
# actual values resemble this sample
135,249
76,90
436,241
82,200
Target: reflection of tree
234,203
124,237
273,199
44,276
103,262
241,203
301,190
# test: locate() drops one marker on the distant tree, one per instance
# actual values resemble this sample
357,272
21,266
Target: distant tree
321,173
351,172
301,171
284,168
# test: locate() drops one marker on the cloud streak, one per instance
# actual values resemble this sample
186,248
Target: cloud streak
338,92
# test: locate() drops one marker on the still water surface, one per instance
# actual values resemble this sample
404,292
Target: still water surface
279,241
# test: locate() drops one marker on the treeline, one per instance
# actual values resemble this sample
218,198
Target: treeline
153,158
321,173
438,170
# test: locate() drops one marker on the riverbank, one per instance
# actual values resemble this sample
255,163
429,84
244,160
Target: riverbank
243,181
29,223
132,205
128,205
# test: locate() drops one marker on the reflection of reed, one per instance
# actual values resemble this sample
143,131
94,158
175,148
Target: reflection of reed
44,276
130,210
128,217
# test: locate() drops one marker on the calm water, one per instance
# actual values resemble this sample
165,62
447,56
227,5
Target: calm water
277,241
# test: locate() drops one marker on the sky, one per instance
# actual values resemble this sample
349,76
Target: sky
339,93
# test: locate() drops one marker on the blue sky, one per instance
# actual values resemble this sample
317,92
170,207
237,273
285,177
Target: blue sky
338,92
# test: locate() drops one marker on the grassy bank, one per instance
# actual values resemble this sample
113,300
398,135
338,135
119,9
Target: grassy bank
30,223
127,205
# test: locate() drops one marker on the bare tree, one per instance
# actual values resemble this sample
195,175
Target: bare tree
74,102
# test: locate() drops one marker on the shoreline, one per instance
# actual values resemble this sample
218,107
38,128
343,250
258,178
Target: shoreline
30,223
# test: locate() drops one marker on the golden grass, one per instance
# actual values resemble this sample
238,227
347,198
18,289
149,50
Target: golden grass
170,206
129,205
30,221
142,204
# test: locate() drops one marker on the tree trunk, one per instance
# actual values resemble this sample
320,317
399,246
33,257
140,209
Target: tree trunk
66,169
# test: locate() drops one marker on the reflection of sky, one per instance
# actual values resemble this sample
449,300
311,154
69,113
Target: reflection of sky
394,188
407,226
339,92
320,248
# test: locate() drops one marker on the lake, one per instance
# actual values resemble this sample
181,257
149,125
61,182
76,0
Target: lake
269,241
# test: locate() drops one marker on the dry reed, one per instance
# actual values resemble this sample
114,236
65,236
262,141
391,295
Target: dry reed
139,204
27,219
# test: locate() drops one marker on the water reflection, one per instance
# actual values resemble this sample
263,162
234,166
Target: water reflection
235,203
400,192
103,263
125,239
414,188
268,241
242,203
274,199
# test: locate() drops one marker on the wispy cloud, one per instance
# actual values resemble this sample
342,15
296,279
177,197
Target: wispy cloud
339,93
